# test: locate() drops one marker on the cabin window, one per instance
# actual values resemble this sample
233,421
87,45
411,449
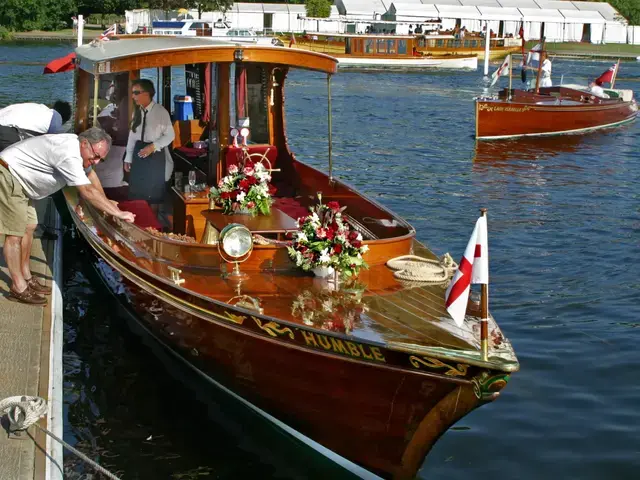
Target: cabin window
368,46
402,47
249,106
391,46
382,45
347,46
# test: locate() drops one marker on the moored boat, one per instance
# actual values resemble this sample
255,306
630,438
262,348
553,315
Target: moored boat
552,110
383,51
373,367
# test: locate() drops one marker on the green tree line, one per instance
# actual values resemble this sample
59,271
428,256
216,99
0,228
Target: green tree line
24,15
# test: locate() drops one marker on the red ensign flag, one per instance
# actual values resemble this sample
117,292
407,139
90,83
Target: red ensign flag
474,268
607,76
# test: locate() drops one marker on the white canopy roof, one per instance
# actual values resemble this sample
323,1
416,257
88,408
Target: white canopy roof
578,16
418,12
497,13
519,3
541,15
455,11
364,8
445,2
557,4
609,13
484,3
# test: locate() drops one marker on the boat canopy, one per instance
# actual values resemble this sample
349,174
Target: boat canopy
134,52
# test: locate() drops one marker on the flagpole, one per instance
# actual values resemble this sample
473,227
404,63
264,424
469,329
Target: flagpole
615,74
510,73
484,310
542,52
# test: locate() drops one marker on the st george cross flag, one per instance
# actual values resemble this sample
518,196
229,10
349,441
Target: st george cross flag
474,268
502,70
607,76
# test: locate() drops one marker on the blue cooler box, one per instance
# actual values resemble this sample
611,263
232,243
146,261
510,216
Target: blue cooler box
183,107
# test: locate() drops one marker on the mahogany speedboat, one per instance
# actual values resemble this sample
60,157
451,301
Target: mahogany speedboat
564,109
373,368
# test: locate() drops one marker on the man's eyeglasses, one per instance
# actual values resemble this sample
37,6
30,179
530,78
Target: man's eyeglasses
137,92
95,154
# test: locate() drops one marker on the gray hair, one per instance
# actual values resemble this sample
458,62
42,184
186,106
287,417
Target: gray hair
95,135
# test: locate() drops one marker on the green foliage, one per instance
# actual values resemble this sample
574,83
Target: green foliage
5,33
318,8
24,15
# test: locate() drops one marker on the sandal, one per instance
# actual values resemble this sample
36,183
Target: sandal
28,296
38,287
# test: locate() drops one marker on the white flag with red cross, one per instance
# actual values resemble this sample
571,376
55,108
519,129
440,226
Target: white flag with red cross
474,268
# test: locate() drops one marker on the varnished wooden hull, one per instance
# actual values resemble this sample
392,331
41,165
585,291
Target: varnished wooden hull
496,119
380,408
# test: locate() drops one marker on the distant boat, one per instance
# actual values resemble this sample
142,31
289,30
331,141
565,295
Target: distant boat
555,110
381,51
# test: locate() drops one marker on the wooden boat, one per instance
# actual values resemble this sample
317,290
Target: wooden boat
563,109
384,51
369,372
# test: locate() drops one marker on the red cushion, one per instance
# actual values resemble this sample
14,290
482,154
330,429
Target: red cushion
143,212
291,207
192,152
234,154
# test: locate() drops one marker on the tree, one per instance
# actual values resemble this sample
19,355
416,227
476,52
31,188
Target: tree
318,8
210,5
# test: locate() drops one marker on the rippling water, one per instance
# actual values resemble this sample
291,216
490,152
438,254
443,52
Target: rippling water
564,232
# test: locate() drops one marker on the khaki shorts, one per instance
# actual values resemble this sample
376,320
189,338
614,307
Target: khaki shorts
16,209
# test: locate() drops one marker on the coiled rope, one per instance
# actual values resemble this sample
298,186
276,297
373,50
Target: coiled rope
423,270
24,411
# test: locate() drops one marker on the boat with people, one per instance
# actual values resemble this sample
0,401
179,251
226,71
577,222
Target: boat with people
552,110
381,51
307,301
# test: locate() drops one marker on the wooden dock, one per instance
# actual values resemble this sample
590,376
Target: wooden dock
31,360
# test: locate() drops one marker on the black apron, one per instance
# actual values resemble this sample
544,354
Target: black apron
146,179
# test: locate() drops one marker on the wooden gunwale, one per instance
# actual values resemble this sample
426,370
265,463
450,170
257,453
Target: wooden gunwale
153,285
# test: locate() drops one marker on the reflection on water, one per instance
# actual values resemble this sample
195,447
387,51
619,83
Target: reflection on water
564,224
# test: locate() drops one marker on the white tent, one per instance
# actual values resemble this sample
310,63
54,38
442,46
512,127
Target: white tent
511,18
361,8
481,3
615,30
469,17
575,21
535,18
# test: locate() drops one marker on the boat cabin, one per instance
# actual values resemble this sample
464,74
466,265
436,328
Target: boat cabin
233,89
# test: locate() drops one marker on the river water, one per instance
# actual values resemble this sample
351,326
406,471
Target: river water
564,233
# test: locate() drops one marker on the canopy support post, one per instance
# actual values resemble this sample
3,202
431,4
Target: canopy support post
484,308
96,85
329,124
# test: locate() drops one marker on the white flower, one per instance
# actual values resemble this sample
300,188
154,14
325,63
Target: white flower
302,237
324,257
327,305
359,237
240,197
233,169
365,248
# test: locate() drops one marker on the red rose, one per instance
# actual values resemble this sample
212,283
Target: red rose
244,185
337,248
353,235
356,243
251,204
272,189
334,206
225,195
330,234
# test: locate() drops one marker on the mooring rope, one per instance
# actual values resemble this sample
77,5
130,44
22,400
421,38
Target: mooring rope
24,411
423,270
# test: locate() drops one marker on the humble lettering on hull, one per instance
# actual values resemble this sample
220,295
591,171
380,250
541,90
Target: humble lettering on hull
344,347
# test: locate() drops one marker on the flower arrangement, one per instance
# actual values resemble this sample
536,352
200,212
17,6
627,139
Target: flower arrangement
335,311
245,189
325,239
